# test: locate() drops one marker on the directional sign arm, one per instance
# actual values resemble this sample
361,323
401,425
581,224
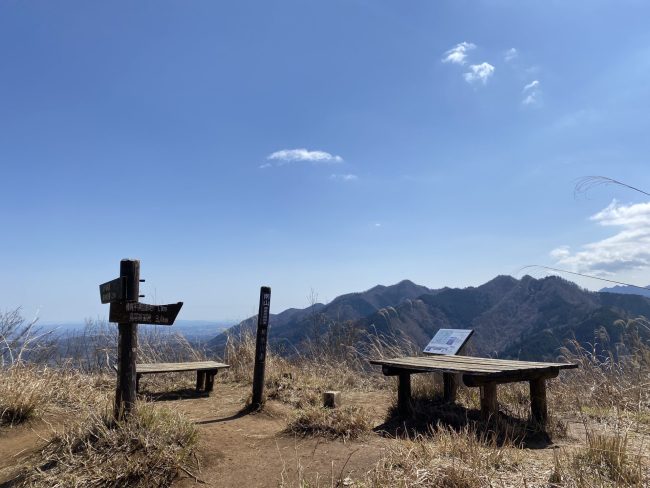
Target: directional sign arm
113,290
141,313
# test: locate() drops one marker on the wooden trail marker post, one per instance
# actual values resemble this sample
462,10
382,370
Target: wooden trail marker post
260,347
123,293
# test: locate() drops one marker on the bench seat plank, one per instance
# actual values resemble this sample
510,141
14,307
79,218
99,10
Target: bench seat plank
469,365
178,367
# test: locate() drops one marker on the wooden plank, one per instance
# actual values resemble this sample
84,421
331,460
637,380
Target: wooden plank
509,376
444,367
488,374
142,313
474,361
178,367
467,365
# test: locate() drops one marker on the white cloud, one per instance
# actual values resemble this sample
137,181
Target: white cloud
629,249
458,53
530,86
344,177
510,54
531,99
293,155
265,165
479,72
533,94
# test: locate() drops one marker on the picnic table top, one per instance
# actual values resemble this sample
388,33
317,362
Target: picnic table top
174,367
470,365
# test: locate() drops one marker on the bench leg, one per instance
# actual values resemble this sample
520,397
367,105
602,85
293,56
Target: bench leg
489,405
538,401
209,381
200,380
450,386
404,394
137,382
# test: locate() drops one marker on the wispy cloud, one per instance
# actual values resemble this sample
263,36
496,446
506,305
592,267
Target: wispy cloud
479,73
532,94
458,53
629,249
344,177
530,86
510,54
301,155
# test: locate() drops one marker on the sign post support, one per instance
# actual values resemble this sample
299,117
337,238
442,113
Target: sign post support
260,347
123,293
127,345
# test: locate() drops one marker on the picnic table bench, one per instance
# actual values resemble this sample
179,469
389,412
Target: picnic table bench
205,372
485,373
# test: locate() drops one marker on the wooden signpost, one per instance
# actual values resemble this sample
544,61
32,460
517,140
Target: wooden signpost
122,293
260,347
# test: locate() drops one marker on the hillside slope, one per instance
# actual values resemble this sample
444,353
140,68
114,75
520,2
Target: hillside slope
527,318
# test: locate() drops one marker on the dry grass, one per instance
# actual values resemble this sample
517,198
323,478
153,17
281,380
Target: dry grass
445,458
607,460
300,380
28,392
608,385
147,451
347,422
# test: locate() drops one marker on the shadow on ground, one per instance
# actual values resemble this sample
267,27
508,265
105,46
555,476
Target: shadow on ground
430,415
178,394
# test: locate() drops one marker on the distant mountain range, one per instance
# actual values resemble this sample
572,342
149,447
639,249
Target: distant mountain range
527,318
627,290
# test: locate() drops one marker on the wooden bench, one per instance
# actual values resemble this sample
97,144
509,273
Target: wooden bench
477,372
205,372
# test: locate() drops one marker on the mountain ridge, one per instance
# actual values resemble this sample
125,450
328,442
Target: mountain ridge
524,318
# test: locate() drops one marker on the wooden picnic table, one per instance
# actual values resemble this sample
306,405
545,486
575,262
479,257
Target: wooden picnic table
485,373
205,371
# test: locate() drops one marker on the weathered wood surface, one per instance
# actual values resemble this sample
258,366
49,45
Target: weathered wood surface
260,346
489,405
178,367
127,344
331,399
467,365
404,406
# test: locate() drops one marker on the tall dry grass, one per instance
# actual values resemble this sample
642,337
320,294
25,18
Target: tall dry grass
612,382
150,450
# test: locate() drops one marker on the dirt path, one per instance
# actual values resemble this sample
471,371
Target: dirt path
251,450
17,443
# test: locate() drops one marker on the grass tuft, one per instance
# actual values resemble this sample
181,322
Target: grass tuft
147,451
347,422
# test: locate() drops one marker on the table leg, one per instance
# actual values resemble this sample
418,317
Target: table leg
404,394
450,386
200,380
489,405
209,381
538,401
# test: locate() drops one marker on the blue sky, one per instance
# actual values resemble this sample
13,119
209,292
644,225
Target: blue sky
315,145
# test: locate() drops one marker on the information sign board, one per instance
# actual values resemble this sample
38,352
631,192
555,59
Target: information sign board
448,341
